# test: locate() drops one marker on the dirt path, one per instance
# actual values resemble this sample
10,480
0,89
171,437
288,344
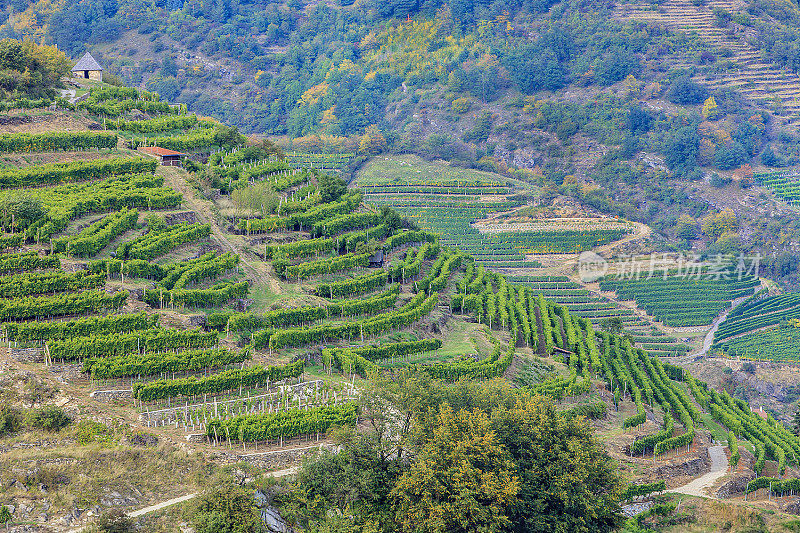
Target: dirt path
640,231
176,178
719,467
162,505
708,340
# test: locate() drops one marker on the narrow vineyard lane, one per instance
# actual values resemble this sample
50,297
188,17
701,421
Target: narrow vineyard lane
708,340
719,467
176,178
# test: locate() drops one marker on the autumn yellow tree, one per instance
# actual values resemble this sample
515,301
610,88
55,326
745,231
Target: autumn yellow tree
461,480
372,142
710,109
723,222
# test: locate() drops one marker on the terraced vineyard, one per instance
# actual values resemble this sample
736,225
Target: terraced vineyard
256,330
448,203
680,301
750,76
784,184
775,344
595,308
761,328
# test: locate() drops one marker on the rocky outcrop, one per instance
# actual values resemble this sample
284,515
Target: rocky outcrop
765,388
736,485
274,521
176,218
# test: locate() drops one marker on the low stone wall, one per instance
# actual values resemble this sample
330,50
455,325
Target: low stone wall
692,466
110,395
26,355
176,218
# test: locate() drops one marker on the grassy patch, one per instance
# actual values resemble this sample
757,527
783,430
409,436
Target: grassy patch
403,168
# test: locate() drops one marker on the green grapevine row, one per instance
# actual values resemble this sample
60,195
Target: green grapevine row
224,381
150,364
75,171
29,283
56,140
324,266
153,125
97,236
351,287
412,265
136,342
301,248
283,424
215,296
26,262
156,243
341,223
81,327
194,139
60,304
115,108
306,218
415,309
65,202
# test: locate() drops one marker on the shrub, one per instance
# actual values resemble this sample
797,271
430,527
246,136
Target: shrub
749,367
770,159
115,521
730,157
225,508
686,92
50,418
10,420
719,181
461,105
89,431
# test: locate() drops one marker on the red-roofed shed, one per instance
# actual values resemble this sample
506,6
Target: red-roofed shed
169,158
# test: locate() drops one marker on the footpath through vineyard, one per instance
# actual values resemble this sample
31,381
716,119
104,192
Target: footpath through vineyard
175,177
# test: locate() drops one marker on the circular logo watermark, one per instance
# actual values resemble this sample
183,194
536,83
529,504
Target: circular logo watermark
591,267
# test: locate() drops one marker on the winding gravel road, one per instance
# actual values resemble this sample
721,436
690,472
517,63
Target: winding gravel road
719,467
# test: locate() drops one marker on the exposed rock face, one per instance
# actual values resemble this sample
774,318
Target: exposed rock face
764,388
692,466
274,522
736,485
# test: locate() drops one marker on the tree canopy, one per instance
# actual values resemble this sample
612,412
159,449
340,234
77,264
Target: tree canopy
458,457
29,70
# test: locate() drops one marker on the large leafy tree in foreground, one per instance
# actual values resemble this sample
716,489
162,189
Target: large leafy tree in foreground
458,457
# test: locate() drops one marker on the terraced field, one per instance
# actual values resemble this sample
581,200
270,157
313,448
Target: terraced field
449,202
785,185
255,331
751,76
775,344
681,301
595,308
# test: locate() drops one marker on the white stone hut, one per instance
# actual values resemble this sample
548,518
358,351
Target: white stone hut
88,68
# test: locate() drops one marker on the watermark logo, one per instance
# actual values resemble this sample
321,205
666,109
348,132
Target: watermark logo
688,266
591,267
